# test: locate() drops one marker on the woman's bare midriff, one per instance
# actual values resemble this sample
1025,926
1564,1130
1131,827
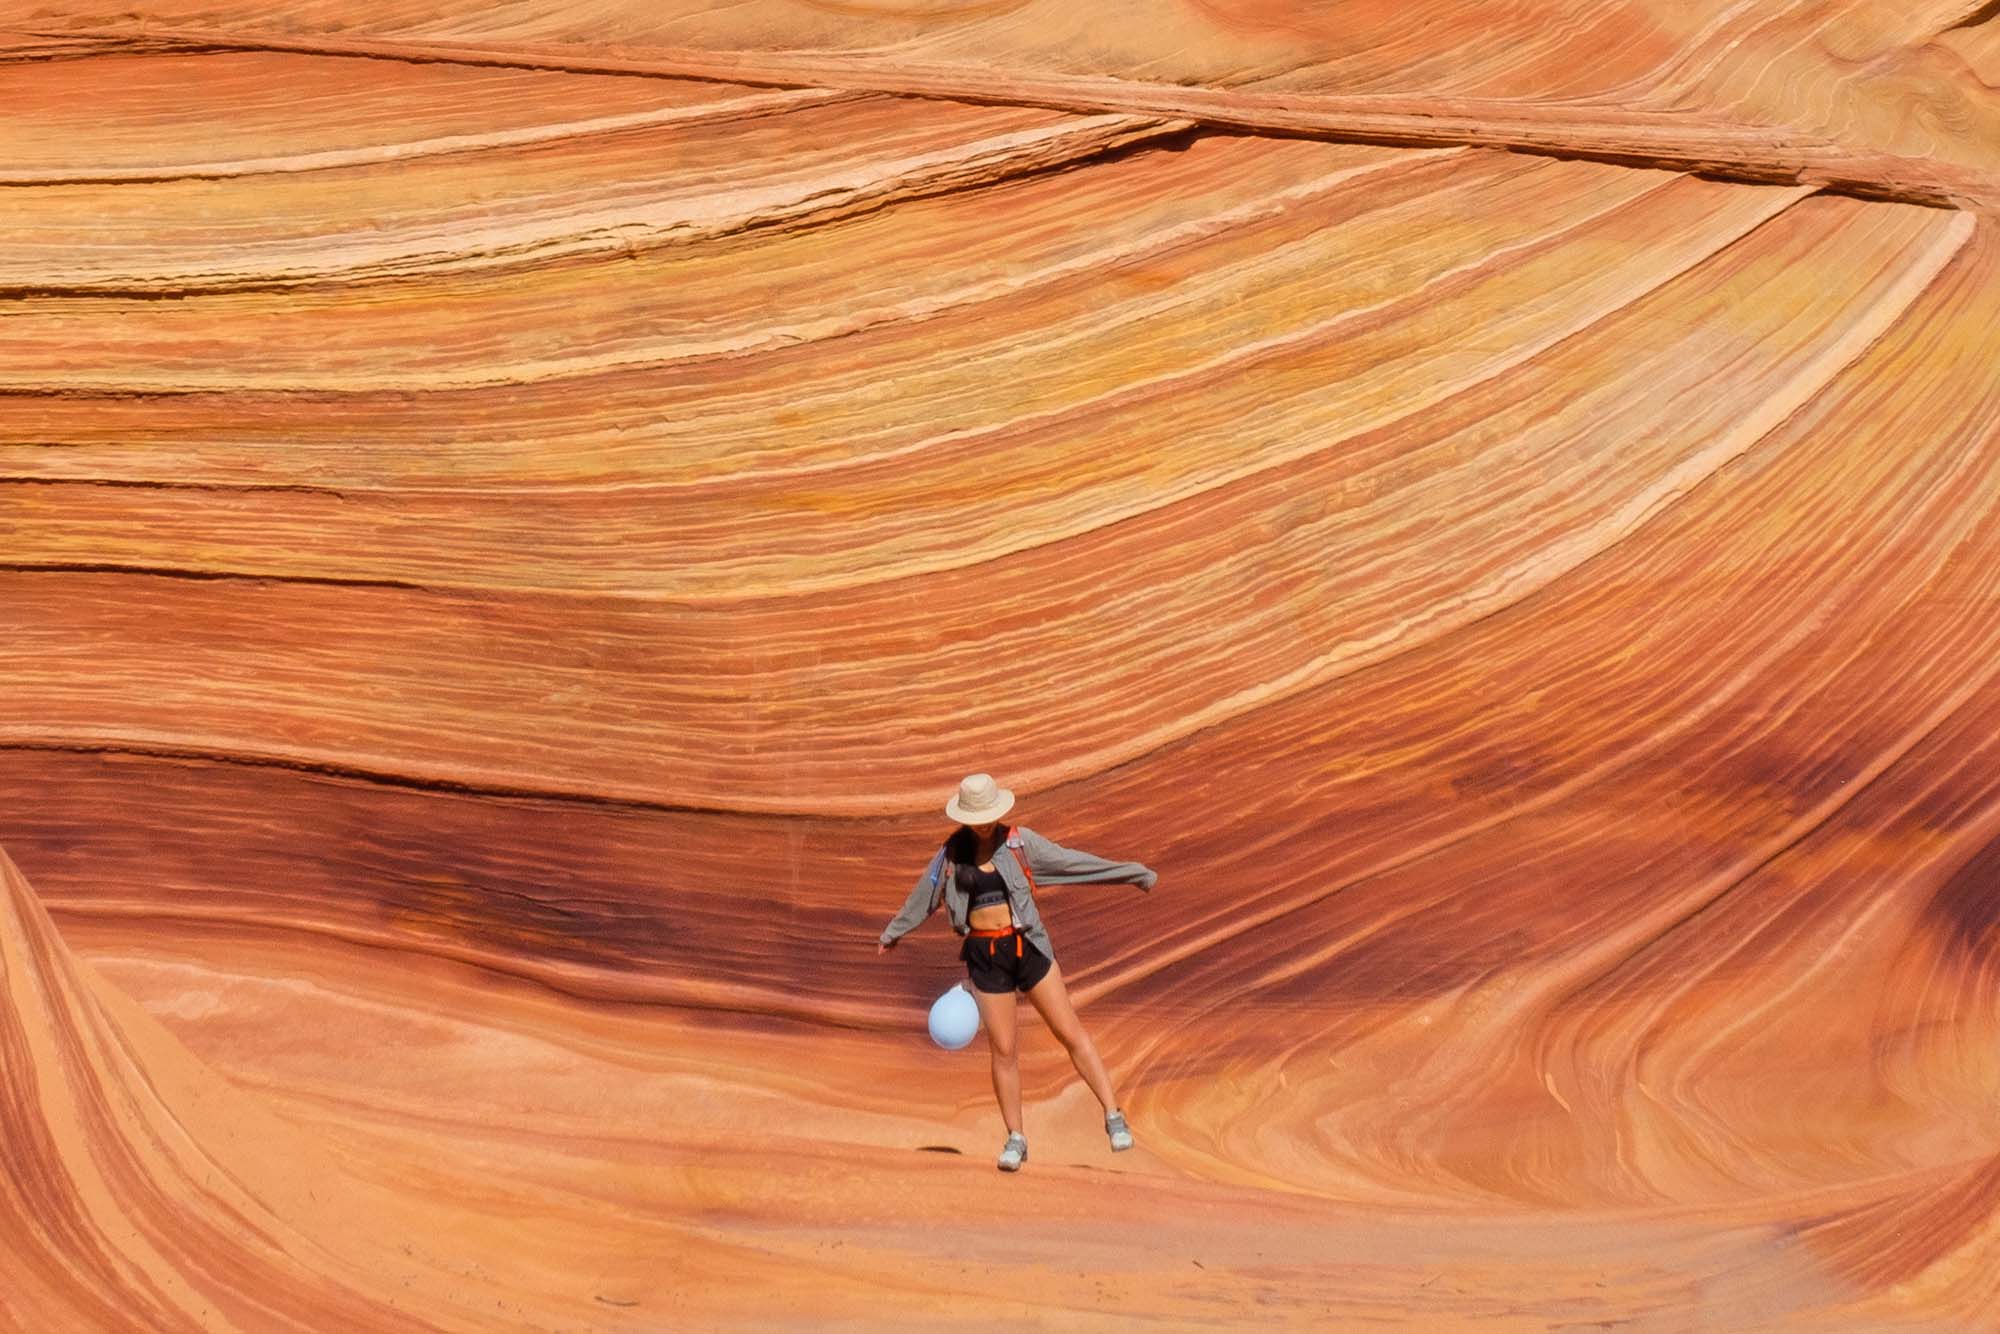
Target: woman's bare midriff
993,917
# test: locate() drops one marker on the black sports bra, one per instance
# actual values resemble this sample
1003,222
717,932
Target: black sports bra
987,888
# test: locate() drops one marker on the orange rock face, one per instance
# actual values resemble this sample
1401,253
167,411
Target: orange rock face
513,522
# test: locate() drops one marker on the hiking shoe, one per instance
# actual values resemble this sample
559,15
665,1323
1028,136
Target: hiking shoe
1015,1153
1114,1126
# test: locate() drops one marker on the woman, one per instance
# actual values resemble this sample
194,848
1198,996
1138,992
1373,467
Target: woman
985,875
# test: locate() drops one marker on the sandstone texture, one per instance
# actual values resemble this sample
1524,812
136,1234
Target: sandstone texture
514,519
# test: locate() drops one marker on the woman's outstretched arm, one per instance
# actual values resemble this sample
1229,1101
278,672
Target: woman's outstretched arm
923,901
1054,864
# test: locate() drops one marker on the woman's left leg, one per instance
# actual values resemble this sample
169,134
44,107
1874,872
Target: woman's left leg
1051,998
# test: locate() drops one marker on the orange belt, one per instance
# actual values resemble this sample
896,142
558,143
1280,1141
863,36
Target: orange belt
994,935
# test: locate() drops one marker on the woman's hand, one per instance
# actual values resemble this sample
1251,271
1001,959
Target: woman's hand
880,948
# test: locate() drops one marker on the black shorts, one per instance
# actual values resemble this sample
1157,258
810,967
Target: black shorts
994,966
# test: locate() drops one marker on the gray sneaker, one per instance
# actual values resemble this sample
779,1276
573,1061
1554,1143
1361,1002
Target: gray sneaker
1015,1153
1114,1126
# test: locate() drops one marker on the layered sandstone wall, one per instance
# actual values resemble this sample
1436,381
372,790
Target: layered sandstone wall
513,522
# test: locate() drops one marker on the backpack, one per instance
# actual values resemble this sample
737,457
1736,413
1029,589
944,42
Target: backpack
1013,842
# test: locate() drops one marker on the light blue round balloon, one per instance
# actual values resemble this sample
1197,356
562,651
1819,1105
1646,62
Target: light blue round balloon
954,1018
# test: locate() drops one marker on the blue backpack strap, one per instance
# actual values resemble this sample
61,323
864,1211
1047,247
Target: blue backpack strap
937,867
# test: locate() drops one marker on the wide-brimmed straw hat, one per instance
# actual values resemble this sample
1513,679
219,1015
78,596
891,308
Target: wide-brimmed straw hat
979,801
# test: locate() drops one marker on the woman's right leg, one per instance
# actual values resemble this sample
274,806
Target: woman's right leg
996,1016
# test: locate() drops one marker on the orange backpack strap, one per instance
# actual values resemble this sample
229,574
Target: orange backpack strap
1021,857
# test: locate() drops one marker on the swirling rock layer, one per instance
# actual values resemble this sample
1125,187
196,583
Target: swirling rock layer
512,530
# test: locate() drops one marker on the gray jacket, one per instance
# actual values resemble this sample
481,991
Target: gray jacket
1050,863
